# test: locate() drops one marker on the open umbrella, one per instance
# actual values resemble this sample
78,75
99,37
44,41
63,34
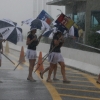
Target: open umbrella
10,31
27,22
36,23
50,33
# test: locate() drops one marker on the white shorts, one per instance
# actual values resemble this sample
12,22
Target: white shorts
55,58
31,54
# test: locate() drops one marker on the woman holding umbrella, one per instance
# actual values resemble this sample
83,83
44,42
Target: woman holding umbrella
32,42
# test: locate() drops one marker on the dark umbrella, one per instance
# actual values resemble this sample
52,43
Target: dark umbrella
36,23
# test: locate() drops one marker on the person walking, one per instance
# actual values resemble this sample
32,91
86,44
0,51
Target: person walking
56,57
54,72
32,42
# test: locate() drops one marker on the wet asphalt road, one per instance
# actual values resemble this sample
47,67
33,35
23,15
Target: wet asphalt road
14,84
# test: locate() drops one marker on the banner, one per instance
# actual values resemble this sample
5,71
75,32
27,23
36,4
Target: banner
45,17
64,20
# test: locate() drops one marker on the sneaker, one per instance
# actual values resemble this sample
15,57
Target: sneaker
41,75
32,80
28,79
98,82
50,81
55,79
66,82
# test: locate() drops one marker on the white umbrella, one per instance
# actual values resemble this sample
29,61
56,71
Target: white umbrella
10,31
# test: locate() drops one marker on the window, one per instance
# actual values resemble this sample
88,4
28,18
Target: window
95,18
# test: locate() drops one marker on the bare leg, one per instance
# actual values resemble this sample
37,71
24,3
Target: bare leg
41,73
55,70
31,66
63,72
54,74
50,72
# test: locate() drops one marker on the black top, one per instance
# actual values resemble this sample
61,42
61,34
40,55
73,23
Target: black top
33,45
57,48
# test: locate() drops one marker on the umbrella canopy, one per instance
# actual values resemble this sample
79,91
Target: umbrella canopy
10,31
51,32
47,33
36,23
27,22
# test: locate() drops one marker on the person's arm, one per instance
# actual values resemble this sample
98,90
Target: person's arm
57,41
62,42
28,42
39,39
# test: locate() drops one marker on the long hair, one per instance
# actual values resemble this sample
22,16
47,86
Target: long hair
57,33
28,33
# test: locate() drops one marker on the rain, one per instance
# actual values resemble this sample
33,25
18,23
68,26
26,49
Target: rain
49,49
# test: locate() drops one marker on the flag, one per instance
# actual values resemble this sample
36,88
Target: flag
60,27
45,17
65,21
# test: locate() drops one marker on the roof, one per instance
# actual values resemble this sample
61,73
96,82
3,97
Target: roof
62,2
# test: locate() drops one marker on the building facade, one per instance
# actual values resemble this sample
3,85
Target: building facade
85,13
39,5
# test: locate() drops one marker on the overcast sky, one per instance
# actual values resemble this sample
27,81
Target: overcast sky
18,10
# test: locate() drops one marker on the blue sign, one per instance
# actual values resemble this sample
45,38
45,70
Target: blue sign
45,17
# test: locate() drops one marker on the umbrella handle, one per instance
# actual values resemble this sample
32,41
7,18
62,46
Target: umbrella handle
40,63
18,64
41,35
8,58
44,59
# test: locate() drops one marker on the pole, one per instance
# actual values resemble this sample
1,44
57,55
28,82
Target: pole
8,58
43,59
18,64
